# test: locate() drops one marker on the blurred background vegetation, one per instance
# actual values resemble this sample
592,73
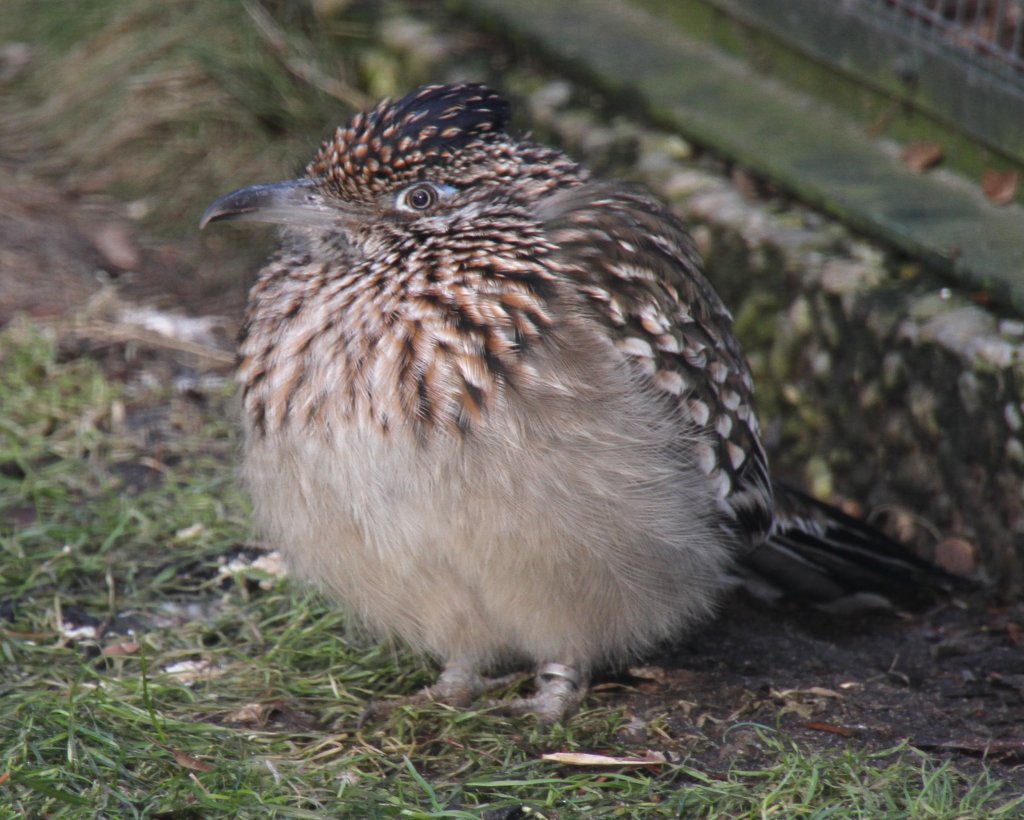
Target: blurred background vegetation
158,107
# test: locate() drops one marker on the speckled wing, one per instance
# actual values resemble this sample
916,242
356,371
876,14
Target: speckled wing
636,267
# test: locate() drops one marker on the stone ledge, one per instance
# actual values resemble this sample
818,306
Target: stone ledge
876,379
648,63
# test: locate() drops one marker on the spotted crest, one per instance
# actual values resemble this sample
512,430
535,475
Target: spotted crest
399,142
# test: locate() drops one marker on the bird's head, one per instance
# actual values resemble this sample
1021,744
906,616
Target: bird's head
408,165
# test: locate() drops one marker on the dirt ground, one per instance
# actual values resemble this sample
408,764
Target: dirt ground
949,680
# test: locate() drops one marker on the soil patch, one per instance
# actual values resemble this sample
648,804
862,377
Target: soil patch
949,681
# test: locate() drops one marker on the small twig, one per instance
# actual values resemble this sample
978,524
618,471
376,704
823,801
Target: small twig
109,332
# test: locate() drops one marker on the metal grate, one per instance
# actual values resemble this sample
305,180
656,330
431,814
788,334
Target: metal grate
988,34
960,62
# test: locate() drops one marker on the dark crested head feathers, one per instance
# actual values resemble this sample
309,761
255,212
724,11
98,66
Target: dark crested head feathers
398,142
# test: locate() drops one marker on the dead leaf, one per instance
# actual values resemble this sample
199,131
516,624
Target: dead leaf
1000,186
803,702
252,713
271,563
651,673
122,648
804,711
920,156
191,671
260,714
117,248
830,728
1005,751
190,533
650,758
1015,634
657,679
817,691
956,556
188,762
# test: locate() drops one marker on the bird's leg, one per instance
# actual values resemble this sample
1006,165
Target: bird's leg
560,688
458,685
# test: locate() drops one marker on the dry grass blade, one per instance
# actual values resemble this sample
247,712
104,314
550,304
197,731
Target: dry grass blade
302,66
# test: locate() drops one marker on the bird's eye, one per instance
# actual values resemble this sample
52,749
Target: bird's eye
420,197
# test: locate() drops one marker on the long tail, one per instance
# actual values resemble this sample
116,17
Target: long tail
820,553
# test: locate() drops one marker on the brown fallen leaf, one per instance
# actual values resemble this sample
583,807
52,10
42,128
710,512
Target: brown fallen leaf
186,761
816,691
920,156
190,671
1005,751
260,714
122,648
251,713
956,556
650,758
831,728
1015,634
1000,186
656,679
115,245
652,673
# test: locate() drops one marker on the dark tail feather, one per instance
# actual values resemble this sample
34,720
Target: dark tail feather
820,553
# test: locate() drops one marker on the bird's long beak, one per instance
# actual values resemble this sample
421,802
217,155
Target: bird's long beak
295,202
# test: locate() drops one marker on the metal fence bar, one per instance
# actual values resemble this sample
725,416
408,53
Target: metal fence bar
987,34
967,74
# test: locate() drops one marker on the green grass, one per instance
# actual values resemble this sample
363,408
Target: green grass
119,505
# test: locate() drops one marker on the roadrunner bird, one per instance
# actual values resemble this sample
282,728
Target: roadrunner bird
495,409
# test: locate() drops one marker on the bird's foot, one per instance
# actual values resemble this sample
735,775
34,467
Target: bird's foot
560,689
459,686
